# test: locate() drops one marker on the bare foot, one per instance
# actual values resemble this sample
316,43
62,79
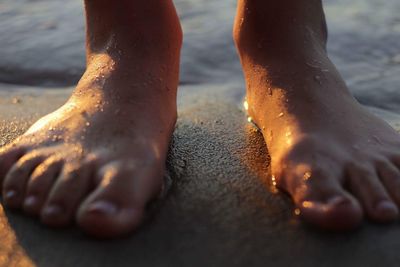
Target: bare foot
335,159
100,158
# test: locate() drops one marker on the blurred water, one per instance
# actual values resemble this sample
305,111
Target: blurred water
42,43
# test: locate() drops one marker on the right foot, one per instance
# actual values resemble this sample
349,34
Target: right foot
100,158
335,159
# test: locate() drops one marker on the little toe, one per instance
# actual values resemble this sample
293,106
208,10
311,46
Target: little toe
66,194
323,202
40,184
371,193
15,182
117,206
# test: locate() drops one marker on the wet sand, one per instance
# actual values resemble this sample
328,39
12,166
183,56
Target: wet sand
219,210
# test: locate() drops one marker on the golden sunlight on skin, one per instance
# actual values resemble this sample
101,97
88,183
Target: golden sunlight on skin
40,124
307,175
122,110
312,205
108,176
289,140
308,204
289,103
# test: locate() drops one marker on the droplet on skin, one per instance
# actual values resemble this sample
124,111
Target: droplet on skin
249,119
87,123
273,180
281,115
246,105
317,78
307,176
297,212
274,188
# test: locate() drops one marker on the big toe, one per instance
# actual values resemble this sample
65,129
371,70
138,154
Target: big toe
108,218
322,201
117,205
340,212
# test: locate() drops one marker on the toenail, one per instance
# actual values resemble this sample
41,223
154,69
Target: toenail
387,208
337,200
31,201
11,194
52,211
102,206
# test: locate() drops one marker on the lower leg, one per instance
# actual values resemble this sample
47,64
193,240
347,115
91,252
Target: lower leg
100,158
335,159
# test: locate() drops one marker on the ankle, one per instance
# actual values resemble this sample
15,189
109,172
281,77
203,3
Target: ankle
276,29
124,80
131,25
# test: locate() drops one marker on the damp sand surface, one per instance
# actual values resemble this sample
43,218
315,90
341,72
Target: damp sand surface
219,210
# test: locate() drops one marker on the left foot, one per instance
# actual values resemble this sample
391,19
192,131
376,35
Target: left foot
335,159
100,158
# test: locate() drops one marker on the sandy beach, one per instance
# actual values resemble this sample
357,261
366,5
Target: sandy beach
219,210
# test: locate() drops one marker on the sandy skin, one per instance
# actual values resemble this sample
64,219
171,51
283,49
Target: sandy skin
336,160
100,158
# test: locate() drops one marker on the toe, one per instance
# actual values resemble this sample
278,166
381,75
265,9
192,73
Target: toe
371,193
322,201
66,194
14,184
8,157
40,183
117,205
396,160
390,176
